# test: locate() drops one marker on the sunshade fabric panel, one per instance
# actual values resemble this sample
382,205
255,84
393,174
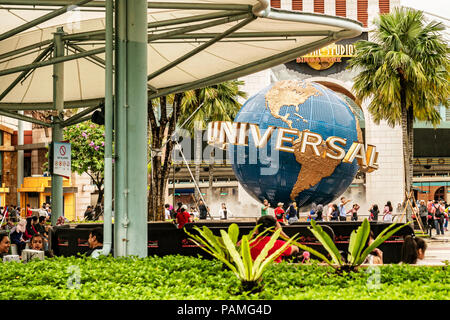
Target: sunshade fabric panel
273,34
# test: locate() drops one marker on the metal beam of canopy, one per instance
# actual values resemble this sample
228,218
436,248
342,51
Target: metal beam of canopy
140,27
150,4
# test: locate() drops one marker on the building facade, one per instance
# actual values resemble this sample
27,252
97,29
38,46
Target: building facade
328,67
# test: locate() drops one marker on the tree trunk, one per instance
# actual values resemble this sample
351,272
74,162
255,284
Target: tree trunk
98,206
407,137
210,178
162,147
198,157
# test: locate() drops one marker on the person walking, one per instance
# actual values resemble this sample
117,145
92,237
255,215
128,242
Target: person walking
342,211
329,212
335,212
279,213
224,212
292,211
319,213
374,211
354,212
423,213
203,210
438,219
265,208
387,212
446,213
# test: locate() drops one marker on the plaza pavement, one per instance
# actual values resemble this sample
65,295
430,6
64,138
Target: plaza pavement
438,249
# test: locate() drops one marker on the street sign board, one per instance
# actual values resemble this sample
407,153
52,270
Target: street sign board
62,159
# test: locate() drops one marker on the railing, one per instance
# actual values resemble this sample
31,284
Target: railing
165,239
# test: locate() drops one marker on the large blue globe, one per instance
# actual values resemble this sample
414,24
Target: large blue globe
274,174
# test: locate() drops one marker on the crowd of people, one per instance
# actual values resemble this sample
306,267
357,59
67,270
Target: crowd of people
182,214
412,252
333,212
433,215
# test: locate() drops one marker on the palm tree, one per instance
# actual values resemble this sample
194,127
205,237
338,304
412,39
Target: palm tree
405,73
218,102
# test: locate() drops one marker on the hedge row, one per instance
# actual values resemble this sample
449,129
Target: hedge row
190,278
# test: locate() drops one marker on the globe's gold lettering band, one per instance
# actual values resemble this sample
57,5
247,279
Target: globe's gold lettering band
224,132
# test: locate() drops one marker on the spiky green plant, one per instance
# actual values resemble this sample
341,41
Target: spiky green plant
225,248
358,240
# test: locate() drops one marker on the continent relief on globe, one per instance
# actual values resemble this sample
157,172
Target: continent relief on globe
313,169
289,93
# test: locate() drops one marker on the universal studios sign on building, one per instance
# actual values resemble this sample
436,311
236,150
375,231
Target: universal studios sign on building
225,133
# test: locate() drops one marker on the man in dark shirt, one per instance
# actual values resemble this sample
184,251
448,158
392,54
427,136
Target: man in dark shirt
95,241
203,210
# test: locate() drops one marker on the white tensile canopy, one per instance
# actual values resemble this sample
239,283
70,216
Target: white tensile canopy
273,37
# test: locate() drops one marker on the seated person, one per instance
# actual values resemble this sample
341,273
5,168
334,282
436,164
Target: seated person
37,243
89,214
41,228
95,242
413,249
31,227
376,256
17,235
4,245
256,246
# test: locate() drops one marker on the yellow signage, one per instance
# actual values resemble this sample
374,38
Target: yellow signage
324,58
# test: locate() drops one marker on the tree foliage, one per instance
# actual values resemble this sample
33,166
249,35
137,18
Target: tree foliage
406,66
405,74
88,151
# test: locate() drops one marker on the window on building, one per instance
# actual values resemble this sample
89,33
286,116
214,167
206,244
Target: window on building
275,3
439,194
341,8
362,15
384,6
319,6
297,5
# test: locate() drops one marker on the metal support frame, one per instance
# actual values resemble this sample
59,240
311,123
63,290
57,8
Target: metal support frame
49,105
56,60
245,69
130,167
183,30
154,5
79,115
200,48
21,117
57,129
41,56
42,19
132,33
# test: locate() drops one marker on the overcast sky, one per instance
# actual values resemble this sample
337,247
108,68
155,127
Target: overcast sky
438,7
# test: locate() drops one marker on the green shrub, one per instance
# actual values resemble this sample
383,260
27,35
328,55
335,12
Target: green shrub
190,278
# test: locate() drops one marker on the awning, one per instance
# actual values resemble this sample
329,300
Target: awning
258,37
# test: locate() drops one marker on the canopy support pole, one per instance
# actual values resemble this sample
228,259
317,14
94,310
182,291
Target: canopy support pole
57,129
130,167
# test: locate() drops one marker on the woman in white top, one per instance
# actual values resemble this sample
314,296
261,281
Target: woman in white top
224,212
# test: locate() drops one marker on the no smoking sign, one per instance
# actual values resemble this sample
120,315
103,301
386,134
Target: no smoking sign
62,159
